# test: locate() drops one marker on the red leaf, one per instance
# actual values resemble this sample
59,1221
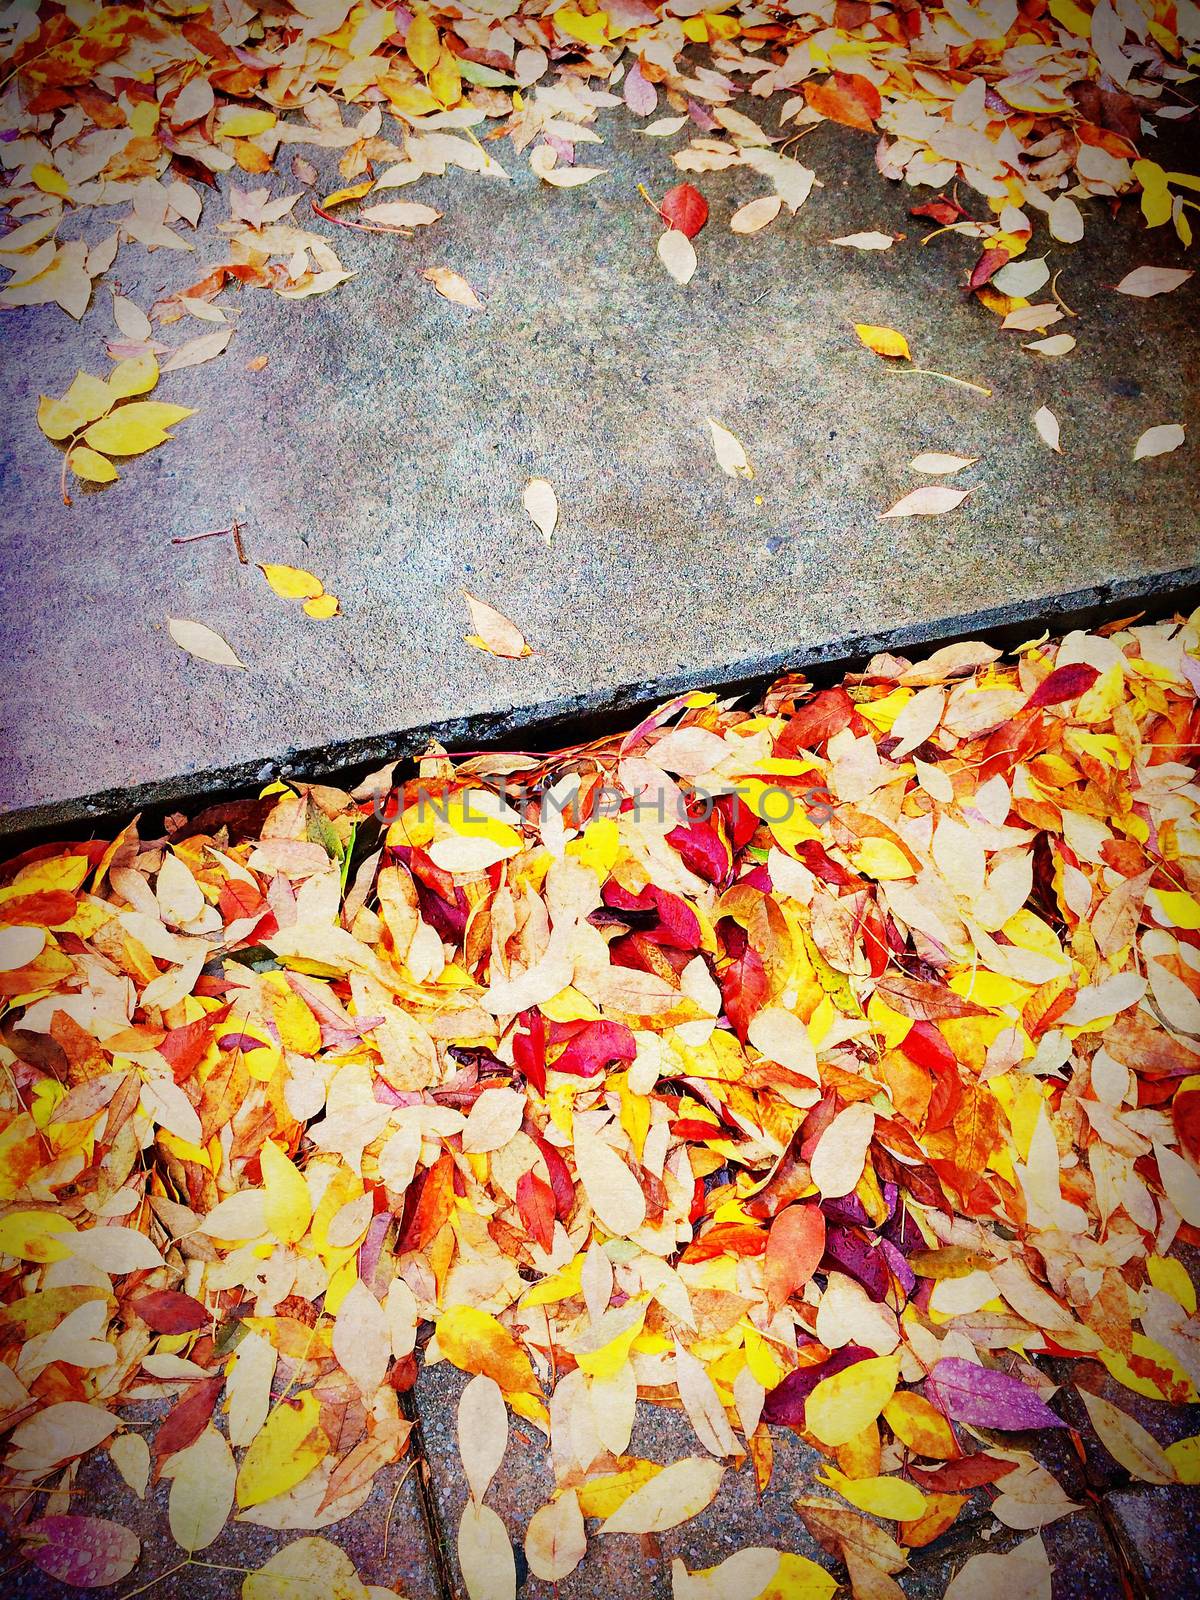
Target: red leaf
184,1047
529,1049
167,1311
940,210
1064,683
685,208
727,1238
846,98
924,1001
744,989
969,1473
795,1246
987,266
86,1552
702,850
535,1202
816,722
561,1180
184,1424
45,909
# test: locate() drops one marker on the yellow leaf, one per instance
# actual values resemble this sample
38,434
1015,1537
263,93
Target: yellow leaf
920,1426
1184,1457
91,466
884,341
445,81
591,30
133,429
841,1406
288,1206
284,1452
138,375
354,192
422,43
57,419
50,180
89,397
244,124
322,606
291,583
308,1569
798,1578
30,1235
476,1342
601,1496
894,1498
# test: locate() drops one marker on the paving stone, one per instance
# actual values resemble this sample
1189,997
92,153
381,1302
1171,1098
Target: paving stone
217,1572
387,442
1156,1528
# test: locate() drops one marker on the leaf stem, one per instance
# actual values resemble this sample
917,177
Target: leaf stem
946,377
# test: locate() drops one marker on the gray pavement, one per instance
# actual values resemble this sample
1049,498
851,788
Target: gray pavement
387,442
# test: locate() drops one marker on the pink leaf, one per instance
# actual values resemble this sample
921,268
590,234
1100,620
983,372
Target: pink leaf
985,1399
86,1552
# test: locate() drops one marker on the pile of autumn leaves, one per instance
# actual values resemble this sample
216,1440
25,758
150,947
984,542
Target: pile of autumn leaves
823,1118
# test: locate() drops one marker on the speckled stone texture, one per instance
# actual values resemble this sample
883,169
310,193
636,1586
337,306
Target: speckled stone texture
387,442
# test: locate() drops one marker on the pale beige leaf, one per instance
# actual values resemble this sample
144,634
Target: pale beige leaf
1181,1183
1065,220
57,1433
677,254
130,319
866,241
202,1484
485,1555
704,1409
130,1454
248,1388
1020,1574
1058,344
195,352
756,214
494,632
401,214
403,1316
115,1250
556,1540
613,1192
939,464
841,1152
493,1121
482,1433
742,1576
1127,1441
730,452
918,720
1047,427
676,1494
931,500
1143,282
1159,441
200,641
541,503
361,1338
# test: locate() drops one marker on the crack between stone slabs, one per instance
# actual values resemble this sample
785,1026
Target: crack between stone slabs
1129,1567
442,1568
601,710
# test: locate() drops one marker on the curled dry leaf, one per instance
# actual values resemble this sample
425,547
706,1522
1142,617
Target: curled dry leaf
452,287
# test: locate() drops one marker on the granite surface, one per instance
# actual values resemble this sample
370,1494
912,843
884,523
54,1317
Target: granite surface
387,442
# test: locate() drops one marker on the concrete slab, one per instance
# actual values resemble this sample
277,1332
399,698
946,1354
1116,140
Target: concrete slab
387,442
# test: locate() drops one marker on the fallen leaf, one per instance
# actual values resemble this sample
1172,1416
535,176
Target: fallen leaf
932,500
938,464
685,210
674,1495
1159,441
883,341
676,253
1145,282
541,503
451,287
754,216
494,632
1046,424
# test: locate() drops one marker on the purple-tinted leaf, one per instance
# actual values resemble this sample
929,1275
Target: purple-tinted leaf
848,1210
901,1270
860,1259
640,95
985,1399
785,1402
86,1552
901,1228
